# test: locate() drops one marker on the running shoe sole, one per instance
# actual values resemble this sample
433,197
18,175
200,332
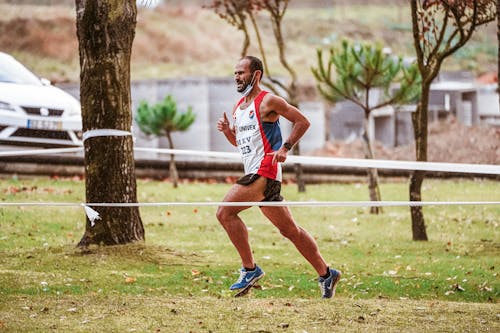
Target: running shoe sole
335,282
244,291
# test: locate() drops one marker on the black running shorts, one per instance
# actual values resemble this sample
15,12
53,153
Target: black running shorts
272,192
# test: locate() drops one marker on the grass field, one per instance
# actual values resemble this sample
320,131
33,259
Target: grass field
178,279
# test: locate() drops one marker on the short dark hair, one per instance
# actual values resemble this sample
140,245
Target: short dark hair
255,64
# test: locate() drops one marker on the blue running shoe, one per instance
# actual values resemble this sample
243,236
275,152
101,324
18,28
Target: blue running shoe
248,278
329,284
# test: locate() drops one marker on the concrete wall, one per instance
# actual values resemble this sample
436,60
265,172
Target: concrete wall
315,137
209,98
390,126
346,121
222,96
488,105
404,127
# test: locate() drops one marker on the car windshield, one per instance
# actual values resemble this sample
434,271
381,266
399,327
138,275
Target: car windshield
13,72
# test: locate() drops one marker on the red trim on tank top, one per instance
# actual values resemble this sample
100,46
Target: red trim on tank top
267,168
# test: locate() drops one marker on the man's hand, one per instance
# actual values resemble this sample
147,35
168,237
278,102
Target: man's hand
225,127
279,155
223,124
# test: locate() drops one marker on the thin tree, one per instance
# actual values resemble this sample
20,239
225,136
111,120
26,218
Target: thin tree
106,30
440,28
358,73
498,48
162,119
234,12
276,9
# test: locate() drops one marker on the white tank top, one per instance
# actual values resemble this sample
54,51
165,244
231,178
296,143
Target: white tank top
257,140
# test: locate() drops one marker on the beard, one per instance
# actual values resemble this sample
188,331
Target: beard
241,86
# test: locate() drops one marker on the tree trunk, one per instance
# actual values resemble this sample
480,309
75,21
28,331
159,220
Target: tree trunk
246,40
299,172
172,169
417,215
498,45
105,32
419,120
373,187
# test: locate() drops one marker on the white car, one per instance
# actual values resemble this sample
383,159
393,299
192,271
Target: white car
32,111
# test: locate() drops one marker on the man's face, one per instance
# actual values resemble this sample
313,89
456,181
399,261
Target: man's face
242,75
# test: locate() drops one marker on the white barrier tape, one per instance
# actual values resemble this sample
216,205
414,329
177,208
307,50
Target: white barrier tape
304,160
300,203
258,203
349,162
104,132
93,215
197,153
40,151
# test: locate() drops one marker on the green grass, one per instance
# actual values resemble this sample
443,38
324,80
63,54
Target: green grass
187,258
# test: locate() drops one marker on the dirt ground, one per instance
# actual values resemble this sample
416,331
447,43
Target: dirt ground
195,40
449,141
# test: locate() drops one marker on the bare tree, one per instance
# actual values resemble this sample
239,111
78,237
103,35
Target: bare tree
440,28
236,12
498,45
106,30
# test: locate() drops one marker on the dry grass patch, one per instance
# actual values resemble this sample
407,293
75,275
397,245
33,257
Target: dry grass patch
119,313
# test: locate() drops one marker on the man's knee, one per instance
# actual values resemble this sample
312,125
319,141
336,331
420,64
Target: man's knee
223,214
292,232
220,214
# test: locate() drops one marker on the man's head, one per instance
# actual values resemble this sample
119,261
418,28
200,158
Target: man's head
248,73
255,64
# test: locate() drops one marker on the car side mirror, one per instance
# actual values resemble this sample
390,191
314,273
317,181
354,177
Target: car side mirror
45,82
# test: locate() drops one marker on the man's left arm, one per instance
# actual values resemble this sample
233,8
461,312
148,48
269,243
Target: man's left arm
300,124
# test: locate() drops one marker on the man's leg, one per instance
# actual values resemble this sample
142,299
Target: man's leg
282,218
232,223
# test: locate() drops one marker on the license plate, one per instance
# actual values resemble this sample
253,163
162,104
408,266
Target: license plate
44,124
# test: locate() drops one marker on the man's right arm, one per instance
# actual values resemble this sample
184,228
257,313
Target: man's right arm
224,126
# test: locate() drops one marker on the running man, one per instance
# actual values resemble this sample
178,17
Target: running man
256,132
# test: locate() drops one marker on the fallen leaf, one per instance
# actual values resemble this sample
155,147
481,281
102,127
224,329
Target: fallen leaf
130,279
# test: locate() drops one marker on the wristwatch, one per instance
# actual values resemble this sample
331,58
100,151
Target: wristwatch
288,146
